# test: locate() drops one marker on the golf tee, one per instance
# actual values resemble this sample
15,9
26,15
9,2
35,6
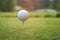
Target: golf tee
22,24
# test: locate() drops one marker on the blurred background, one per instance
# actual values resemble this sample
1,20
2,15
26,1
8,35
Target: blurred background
43,22
43,7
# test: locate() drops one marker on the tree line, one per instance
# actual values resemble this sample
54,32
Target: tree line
8,5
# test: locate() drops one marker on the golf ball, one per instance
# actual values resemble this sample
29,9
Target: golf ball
23,15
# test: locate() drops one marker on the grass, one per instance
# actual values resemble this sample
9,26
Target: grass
32,14
8,14
35,28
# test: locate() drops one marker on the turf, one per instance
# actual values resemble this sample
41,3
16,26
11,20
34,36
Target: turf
34,29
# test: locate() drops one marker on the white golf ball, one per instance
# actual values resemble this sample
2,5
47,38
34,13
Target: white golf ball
23,15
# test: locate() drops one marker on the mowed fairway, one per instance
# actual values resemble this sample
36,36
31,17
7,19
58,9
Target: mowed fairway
35,29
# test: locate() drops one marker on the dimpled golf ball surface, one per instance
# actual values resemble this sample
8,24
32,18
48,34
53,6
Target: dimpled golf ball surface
23,15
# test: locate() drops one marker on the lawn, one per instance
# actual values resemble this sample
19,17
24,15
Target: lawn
34,29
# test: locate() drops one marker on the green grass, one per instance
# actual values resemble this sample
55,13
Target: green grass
32,14
34,29
8,14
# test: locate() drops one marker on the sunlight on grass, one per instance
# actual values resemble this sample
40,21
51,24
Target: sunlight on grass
35,29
